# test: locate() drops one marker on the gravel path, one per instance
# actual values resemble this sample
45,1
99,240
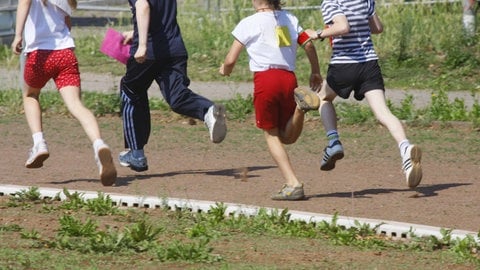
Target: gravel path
220,90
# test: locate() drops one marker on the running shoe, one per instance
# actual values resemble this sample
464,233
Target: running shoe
215,122
288,193
128,160
331,154
306,100
411,165
107,171
38,154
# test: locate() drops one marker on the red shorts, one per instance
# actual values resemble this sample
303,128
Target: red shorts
59,65
273,98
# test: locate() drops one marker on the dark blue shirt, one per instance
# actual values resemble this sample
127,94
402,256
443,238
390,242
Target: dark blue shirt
164,36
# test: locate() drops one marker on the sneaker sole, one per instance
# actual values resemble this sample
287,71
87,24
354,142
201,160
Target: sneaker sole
134,168
288,198
108,175
219,128
416,174
305,100
330,164
38,161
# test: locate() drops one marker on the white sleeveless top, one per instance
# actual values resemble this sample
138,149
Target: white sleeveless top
45,27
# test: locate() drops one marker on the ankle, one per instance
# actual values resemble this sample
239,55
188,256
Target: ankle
139,153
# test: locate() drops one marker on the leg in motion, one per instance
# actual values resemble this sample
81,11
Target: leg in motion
293,189
411,154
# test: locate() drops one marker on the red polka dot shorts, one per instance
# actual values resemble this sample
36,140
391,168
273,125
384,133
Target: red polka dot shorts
59,65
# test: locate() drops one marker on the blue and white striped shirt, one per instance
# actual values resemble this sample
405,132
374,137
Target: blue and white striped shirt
357,45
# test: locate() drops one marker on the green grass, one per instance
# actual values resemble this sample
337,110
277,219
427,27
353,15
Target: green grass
422,47
135,238
415,52
240,108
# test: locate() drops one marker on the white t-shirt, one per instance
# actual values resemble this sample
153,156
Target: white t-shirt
45,28
258,34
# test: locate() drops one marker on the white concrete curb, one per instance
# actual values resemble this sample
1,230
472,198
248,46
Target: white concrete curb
393,229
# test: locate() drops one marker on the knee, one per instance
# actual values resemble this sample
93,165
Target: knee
288,141
326,94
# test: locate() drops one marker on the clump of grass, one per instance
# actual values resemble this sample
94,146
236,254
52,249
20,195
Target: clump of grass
184,236
240,108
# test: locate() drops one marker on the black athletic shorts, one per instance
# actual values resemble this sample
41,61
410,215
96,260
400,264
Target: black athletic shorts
357,77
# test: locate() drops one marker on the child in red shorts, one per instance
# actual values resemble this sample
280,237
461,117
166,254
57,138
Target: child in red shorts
270,37
49,55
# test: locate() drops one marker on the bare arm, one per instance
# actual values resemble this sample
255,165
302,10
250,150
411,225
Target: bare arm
338,27
127,37
316,79
376,26
231,59
143,20
23,8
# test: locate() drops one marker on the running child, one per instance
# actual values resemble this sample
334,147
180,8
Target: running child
49,49
270,37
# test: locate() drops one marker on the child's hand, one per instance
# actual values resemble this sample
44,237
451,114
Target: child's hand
141,54
312,33
127,37
17,45
316,82
222,70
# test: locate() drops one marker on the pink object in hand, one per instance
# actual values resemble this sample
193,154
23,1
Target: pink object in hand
112,45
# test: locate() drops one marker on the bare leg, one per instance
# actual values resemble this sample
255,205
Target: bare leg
377,102
31,106
326,109
33,112
103,155
71,97
279,154
294,127
411,154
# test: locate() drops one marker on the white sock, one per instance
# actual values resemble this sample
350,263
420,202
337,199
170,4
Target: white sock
97,143
37,137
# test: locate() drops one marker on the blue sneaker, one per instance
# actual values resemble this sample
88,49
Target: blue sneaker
330,155
137,164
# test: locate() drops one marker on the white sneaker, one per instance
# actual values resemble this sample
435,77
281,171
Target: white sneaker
108,173
411,165
38,154
215,122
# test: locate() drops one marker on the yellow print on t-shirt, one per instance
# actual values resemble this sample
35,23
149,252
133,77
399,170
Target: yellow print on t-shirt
283,36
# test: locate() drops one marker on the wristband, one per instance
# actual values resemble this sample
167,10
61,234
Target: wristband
319,33
303,39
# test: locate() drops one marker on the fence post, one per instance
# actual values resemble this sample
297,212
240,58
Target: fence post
207,5
469,17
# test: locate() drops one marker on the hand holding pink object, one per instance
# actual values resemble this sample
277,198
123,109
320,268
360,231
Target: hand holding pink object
113,46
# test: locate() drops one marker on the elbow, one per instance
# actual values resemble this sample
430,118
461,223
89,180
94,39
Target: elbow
309,46
345,29
378,29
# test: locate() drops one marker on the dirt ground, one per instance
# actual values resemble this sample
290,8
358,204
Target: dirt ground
367,183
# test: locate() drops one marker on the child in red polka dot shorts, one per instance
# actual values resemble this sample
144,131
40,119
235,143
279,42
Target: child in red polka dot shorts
43,34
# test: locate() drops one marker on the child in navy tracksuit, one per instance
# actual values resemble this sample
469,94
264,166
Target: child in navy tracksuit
158,53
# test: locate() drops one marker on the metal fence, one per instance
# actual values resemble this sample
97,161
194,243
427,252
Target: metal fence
7,20
8,7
